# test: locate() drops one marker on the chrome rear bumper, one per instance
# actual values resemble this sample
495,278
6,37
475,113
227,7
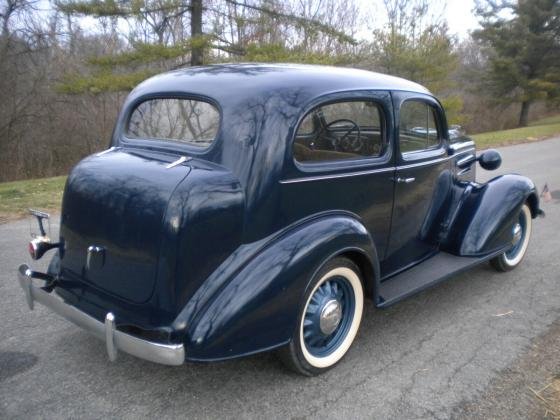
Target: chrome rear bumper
167,354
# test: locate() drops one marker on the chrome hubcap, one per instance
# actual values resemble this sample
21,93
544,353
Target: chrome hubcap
517,233
330,317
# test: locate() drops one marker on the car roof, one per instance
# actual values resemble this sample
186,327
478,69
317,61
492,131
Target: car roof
226,81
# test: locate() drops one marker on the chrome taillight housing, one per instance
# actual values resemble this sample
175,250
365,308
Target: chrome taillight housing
39,245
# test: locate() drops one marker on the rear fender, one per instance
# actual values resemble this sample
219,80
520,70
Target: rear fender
256,308
485,213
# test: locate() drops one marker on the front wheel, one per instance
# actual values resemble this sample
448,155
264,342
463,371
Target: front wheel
521,235
329,319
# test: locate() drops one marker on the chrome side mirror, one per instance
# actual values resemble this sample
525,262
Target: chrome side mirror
490,160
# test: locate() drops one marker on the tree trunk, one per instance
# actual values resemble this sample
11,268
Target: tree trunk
197,51
524,116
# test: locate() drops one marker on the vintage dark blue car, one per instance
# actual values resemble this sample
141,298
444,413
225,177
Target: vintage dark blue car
245,208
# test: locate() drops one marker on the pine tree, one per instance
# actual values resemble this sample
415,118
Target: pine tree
522,45
161,42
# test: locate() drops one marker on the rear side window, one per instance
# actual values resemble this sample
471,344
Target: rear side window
417,128
184,120
340,131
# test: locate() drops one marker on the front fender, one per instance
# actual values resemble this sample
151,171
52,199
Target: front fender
256,308
486,213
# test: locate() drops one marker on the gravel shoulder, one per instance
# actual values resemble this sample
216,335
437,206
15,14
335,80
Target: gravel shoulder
512,394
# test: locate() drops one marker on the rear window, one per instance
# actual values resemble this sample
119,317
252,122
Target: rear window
184,120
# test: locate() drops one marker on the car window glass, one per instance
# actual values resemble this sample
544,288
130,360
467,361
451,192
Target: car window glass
417,127
340,131
188,121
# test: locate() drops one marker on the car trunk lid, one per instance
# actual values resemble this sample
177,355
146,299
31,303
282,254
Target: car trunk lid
111,226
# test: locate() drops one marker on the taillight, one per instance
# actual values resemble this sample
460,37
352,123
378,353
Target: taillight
32,250
39,245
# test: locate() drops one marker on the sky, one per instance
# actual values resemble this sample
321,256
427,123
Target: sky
460,17
458,14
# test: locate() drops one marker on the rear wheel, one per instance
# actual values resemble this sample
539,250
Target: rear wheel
329,319
521,235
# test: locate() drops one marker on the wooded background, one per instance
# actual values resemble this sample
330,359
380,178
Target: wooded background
66,66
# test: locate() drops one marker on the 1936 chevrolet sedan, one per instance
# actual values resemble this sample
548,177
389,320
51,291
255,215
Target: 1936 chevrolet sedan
245,208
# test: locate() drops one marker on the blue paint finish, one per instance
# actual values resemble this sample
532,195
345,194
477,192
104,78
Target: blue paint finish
117,201
483,218
218,252
254,304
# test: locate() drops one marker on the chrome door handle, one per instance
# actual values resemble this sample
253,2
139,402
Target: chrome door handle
404,180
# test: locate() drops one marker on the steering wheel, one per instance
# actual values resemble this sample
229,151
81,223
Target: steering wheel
344,143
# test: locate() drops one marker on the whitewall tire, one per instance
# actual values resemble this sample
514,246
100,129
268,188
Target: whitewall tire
328,320
521,235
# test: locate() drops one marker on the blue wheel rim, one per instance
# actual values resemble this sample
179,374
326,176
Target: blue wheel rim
335,288
516,248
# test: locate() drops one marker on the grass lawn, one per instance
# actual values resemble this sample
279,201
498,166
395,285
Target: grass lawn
43,194
538,130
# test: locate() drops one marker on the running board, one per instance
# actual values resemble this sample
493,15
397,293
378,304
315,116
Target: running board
426,274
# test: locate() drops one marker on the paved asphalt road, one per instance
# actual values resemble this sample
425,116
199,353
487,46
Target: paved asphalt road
425,357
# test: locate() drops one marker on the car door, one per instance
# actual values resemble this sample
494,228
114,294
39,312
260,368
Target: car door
342,158
422,158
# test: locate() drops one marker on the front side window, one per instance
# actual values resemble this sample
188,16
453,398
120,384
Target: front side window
184,120
340,131
417,128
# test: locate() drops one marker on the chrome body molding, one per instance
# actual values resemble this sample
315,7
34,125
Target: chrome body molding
461,145
468,159
182,159
167,354
366,172
110,149
338,175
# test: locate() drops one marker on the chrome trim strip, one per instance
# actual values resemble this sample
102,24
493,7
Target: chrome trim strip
466,159
464,171
110,149
182,159
334,176
167,354
461,145
369,172
424,163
